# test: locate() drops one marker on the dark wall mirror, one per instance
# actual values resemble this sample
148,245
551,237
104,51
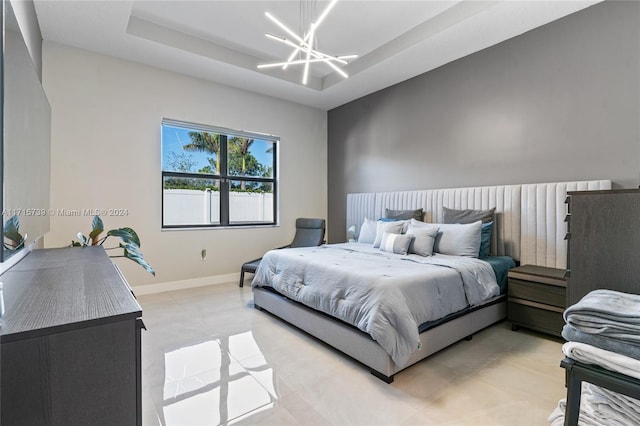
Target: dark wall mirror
26,123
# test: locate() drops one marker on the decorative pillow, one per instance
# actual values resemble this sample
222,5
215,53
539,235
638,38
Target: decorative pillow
390,227
459,239
403,214
395,243
405,223
420,224
468,215
367,231
423,239
485,239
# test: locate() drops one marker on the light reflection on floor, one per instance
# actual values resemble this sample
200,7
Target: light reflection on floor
204,375
210,358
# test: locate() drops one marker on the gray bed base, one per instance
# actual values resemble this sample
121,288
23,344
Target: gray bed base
363,348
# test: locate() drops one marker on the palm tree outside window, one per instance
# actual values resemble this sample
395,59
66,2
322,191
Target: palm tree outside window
206,142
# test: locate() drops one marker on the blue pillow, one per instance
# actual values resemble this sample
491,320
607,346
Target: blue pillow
387,219
485,239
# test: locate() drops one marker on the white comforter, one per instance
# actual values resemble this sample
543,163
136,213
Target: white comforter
385,295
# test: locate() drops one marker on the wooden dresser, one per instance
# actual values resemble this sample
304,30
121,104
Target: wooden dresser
70,342
604,245
604,242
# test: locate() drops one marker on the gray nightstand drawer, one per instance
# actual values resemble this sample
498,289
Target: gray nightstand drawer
538,292
536,297
536,318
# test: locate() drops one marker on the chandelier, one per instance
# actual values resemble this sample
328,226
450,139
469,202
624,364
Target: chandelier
305,45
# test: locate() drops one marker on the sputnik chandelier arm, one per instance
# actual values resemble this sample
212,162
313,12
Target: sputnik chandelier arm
322,57
314,52
304,47
295,62
305,74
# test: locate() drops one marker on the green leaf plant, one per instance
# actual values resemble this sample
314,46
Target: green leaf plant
130,242
13,240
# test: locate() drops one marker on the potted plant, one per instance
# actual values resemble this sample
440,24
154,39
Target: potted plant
130,243
13,240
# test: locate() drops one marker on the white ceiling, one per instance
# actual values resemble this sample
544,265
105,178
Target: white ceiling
223,41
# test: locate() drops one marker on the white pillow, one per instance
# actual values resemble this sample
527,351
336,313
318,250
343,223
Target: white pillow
395,243
419,224
424,237
390,227
405,225
367,231
459,239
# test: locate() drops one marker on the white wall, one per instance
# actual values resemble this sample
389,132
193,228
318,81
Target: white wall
105,153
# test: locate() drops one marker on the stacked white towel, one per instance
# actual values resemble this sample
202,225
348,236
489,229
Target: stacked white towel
587,416
600,407
610,404
588,354
604,329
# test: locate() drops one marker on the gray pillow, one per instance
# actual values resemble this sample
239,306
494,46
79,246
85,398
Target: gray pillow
403,214
395,243
459,239
423,239
468,215
390,227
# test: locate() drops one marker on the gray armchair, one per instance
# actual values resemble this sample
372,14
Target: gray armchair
309,233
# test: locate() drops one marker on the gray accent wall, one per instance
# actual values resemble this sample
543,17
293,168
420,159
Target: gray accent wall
559,103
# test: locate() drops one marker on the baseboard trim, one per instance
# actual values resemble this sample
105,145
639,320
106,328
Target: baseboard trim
141,290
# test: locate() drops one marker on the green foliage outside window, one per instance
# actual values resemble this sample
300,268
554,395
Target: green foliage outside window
240,162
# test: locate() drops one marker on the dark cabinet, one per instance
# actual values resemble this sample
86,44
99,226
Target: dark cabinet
70,344
604,242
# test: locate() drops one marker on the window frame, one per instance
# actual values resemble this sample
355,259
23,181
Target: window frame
223,177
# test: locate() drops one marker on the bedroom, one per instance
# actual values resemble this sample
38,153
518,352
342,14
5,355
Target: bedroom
534,108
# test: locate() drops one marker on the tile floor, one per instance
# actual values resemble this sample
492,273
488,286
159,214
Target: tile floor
210,358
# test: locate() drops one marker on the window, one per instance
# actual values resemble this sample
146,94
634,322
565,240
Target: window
217,177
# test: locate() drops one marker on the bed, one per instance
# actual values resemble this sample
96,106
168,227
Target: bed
320,290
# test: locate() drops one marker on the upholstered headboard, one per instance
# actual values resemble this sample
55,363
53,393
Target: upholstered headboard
530,219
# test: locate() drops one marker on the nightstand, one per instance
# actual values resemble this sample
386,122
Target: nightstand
536,298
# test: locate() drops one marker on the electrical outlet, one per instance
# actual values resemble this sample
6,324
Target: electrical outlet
203,254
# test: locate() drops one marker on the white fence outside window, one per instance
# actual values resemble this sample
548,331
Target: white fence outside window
193,207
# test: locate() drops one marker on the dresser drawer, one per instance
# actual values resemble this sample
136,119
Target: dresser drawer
536,318
538,292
